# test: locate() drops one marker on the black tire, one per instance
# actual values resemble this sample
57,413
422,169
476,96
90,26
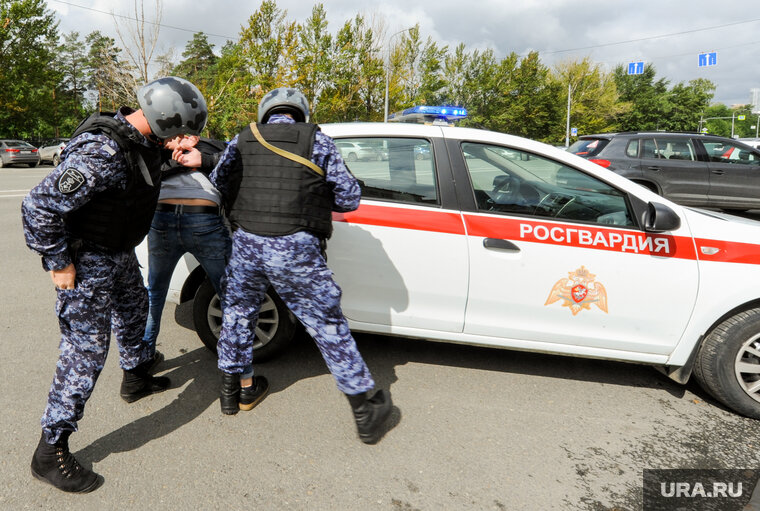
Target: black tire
352,157
32,165
726,361
56,159
274,331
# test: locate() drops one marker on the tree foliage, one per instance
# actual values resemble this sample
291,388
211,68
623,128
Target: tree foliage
48,81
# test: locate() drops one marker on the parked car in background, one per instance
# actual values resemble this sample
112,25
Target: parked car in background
505,242
752,142
692,169
50,150
13,152
354,151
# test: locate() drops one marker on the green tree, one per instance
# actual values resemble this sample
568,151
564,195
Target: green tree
110,78
313,57
594,99
686,104
647,99
28,32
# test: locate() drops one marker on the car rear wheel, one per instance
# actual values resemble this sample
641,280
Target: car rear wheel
728,363
56,159
352,157
32,165
275,328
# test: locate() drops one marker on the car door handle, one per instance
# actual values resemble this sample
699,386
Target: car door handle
500,244
655,168
718,171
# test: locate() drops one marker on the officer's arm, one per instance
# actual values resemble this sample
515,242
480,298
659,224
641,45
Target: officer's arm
68,187
345,186
229,162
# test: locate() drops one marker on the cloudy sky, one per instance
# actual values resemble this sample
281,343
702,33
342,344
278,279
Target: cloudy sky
670,34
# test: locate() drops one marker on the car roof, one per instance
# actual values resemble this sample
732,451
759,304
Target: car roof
629,134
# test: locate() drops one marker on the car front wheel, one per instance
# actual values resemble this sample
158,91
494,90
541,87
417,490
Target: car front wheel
728,363
275,328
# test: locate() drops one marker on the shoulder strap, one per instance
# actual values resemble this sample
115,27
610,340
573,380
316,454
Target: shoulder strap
284,153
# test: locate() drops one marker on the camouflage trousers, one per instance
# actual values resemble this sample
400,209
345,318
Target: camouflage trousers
294,266
109,294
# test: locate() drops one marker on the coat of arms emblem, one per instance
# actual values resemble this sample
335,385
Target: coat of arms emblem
578,291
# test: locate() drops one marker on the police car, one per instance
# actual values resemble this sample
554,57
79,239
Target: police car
506,242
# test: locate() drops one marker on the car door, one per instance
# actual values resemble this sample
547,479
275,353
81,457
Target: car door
734,174
557,258
673,163
401,258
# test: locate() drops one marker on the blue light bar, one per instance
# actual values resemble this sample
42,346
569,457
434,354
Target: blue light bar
430,114
449,112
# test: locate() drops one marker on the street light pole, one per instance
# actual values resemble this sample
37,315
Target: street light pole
388,70
567,127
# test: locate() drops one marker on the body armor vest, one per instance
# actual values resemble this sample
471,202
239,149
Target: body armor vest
119,219
275,196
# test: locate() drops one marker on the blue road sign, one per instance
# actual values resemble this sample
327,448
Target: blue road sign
708,59
635,68
574,132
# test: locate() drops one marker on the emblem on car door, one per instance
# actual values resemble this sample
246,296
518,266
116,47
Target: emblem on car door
578,291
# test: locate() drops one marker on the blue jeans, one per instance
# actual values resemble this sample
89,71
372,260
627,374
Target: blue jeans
171,235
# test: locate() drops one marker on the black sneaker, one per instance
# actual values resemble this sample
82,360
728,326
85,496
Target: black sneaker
251,396
55,465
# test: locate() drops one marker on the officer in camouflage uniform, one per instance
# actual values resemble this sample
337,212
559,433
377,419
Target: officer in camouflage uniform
85,219
281,211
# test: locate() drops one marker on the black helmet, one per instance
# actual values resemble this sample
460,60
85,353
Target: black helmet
284,101
173,106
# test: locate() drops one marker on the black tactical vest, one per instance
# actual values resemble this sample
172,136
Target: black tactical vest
275,196
119,219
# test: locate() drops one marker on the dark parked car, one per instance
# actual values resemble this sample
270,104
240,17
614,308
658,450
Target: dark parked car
692,169
50,150
18,151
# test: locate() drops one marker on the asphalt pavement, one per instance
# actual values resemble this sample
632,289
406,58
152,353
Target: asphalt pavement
475,428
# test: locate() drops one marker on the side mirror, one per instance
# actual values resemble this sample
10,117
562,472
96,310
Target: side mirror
660,218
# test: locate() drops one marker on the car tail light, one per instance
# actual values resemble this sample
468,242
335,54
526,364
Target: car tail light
603,163
34,150
12,150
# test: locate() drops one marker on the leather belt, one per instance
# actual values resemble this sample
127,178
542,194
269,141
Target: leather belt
179,209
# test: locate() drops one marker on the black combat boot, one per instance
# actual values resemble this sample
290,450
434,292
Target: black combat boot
251,396
155,361
54,464
229,397
370,414
138,383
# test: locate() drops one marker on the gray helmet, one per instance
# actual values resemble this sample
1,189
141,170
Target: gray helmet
173,106
284,101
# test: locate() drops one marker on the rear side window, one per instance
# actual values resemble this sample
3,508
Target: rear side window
393,169
588,147
668,149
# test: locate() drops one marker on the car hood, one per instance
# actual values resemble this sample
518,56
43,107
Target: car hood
708,224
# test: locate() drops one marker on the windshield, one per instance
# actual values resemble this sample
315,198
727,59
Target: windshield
588,147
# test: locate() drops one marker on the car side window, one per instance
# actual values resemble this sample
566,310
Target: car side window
511,181
727,152
393,169
632,149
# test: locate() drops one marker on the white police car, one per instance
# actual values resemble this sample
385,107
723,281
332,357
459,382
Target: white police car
502,241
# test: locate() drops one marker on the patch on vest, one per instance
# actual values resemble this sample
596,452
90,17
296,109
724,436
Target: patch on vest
70,181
